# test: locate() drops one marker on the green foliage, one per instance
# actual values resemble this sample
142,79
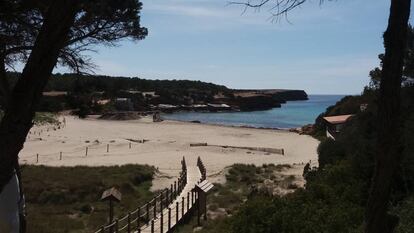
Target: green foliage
97,22
347,105
84,90
112,86
406,214
336,193
226,199
330,151
67,199
45,118
330,203
408,66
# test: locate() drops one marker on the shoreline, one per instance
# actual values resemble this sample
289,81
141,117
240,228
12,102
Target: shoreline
163,145
96,117
233,126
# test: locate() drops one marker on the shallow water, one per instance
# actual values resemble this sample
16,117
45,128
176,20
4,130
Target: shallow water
290,115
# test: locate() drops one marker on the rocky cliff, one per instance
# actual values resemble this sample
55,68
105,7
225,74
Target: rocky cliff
252,100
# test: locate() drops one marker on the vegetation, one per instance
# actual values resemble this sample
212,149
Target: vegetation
67,199
389,141
85,90
242,181
335,196
41,118
98,94
39,35
46,118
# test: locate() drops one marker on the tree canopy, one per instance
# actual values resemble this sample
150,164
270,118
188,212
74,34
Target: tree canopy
97,22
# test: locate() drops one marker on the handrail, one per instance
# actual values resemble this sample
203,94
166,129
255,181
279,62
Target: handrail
202,168
151,208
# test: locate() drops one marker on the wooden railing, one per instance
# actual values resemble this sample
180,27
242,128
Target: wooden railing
145,215
168,220
202,169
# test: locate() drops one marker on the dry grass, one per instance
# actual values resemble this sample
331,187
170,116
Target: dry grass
66,199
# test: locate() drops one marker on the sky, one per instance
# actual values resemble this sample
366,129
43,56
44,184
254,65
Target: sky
324,48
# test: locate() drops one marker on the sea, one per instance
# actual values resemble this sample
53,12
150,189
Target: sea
292,114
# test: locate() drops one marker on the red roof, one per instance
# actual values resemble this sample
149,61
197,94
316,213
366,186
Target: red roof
338,119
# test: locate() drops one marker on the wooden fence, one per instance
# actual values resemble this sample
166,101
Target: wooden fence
82,152
202,169
145,215
165,211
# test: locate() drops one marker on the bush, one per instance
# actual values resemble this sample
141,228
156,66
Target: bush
329,152
67,199
406,213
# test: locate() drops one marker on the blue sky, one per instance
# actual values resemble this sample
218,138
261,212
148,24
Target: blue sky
325,49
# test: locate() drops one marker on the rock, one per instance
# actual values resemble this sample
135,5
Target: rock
307,129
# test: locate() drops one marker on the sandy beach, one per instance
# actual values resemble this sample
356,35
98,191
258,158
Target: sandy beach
165,144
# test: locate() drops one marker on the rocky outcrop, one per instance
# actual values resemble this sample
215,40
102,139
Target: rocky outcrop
254,103
253,100
291,95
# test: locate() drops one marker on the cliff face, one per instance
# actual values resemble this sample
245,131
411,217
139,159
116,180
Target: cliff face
252,100
291,95
253,103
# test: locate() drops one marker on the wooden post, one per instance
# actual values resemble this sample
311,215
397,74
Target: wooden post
155,207
198,212
129,223
107,148
138,217
161,204
116,226
182,206
37,158
152,226
111,211
175,189
283,151
188,201
176,212
205,208
170,196
147,212
178,185
86,152
162,222
171,193
60,156
169,218
129,145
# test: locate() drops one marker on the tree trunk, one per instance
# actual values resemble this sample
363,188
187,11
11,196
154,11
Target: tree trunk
4,85
389,137
25,96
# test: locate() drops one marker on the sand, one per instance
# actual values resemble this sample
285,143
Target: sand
168,142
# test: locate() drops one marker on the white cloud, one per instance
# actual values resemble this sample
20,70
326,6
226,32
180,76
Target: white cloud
219,14
186,10
208,14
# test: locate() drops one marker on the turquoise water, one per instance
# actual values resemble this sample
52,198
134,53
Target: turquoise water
290,115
